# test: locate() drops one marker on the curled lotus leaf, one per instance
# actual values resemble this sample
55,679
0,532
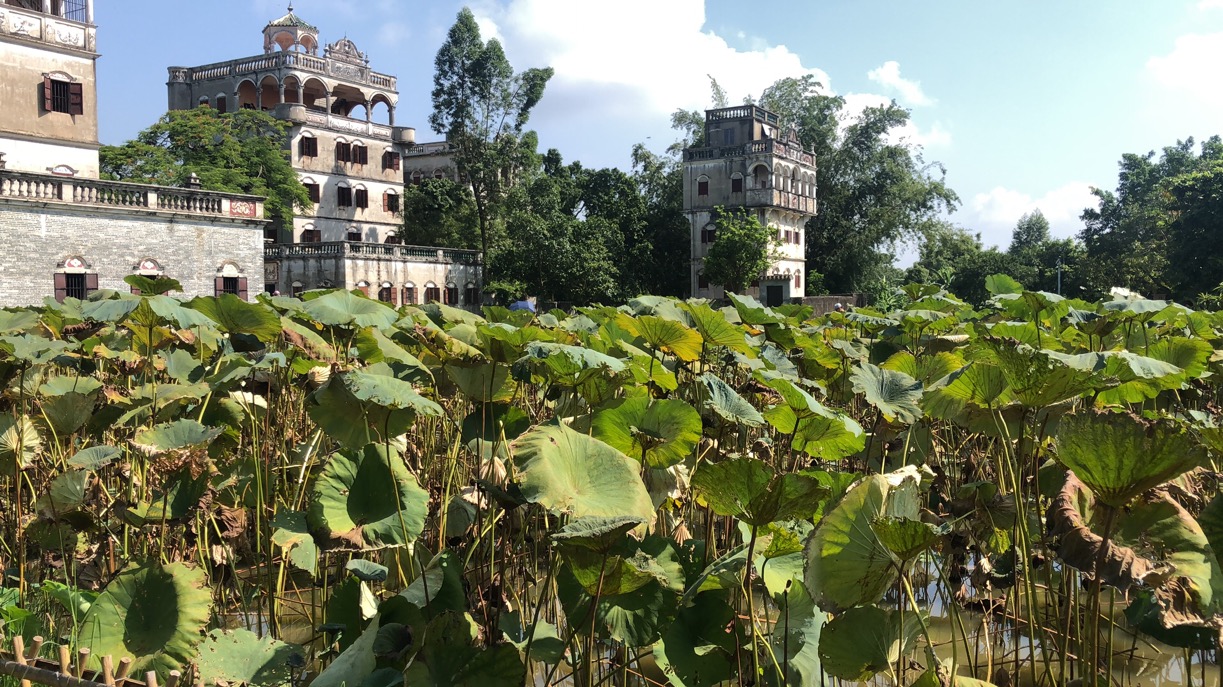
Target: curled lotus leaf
179,435
667,336
356,407
346,309
19,444
894,393
726,403
155,614
749,489
236,316
366,499
1120,455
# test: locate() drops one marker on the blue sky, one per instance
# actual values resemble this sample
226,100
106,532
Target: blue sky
1027,104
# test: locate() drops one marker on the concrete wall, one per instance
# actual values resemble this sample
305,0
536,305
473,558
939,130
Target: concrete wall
22,68
333,221
38,237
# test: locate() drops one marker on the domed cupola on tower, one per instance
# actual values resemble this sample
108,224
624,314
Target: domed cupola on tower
290,33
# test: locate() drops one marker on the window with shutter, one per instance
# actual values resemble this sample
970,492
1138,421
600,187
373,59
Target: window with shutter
315,192
390,202
409,295
47,104
61,286
91,283
362,198
76,99
242,289
360,155
386,294
702,188
308,146
344,197
343,152
452,294
736,185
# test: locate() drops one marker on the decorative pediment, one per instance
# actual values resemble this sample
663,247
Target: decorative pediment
346,51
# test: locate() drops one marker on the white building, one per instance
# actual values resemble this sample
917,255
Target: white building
747,163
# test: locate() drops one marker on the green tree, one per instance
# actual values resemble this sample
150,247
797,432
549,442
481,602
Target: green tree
1127,236
237,152
440,212
1029,234
660,185
944,251
873,192
482,108
743,250
1195,203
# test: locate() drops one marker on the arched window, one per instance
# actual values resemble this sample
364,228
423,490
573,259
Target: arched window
390,202
432,293
452,294
710,233
409,294
221,102
203,101
471,294
307,145
354,233
386,293
148,267
702,185
363,287
298,289
74,278
310,234
736,183
231,280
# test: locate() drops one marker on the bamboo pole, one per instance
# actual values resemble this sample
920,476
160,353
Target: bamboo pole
28,673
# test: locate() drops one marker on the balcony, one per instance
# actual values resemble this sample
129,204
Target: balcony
298,62
766,146
95,193
371,251
742,112
769,197
71,28
337,122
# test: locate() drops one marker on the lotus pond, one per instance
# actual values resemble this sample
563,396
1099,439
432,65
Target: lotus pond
332,491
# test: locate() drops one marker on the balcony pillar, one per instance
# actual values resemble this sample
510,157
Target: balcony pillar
46,6
89,12
369,114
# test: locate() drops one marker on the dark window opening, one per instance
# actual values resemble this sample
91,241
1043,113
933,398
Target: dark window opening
308,146
709,235
343,152
312,236
702,188
354,234
386,294
298,289
409,295
452,294
736,185
344,197
362,198
63,96
432,294
472,296
728,137
360,155
390,202
390,160
702,281
315,192
77,285
229,285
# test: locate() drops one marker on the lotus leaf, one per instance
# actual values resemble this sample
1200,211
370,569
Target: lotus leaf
356,407
667,336
94,457
451,657
697,650
292,535
714,328
367,571
542,638
596,533
236,316
366,499
660,433
571,473
1118,455
155,614
636,619
865,641
748,489
354,664
179,435
796,638
727,404
893,393
346,309
19,444
240,657
905,538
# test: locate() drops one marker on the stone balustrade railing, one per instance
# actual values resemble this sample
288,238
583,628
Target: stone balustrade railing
771,197
291,60
72,31
336,122
46,188
376,251
765,146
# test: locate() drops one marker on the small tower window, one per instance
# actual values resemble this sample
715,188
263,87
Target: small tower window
308,146
361,197
344,197
702,187
390,201
60,95
314,190
736,184
354,234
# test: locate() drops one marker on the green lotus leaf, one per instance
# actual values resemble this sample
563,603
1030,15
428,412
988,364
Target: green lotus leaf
152,286
571,363
355,407
865,641
443,315
75,601
179,435
636,618
482,383
796,638
18,321
236,316
748,489
112,310
240,657
820,432
350,606
714,327
604,574
67,413
661,433
451,657
94,457
893,393
307,340
847,565
1118,455
486,426
155,614
65,495
726,403
292,534
664,307
19,444
545,643
571,473
596,533
440,587
752,311
667,336
158,309
905,538
930,678
998,284
375,347
366,499
64,384
353,664
1036,379
697,649
346,309
367,571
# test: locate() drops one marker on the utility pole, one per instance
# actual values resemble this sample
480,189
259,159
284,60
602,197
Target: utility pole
1059,275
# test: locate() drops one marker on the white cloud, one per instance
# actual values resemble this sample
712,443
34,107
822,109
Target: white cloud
659,64
910,133
888,76
1193,66
995,212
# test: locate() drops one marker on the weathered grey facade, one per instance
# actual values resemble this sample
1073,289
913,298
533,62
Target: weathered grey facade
67,233
747,162
349,154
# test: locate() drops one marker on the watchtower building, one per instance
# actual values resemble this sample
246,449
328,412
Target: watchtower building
748,162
